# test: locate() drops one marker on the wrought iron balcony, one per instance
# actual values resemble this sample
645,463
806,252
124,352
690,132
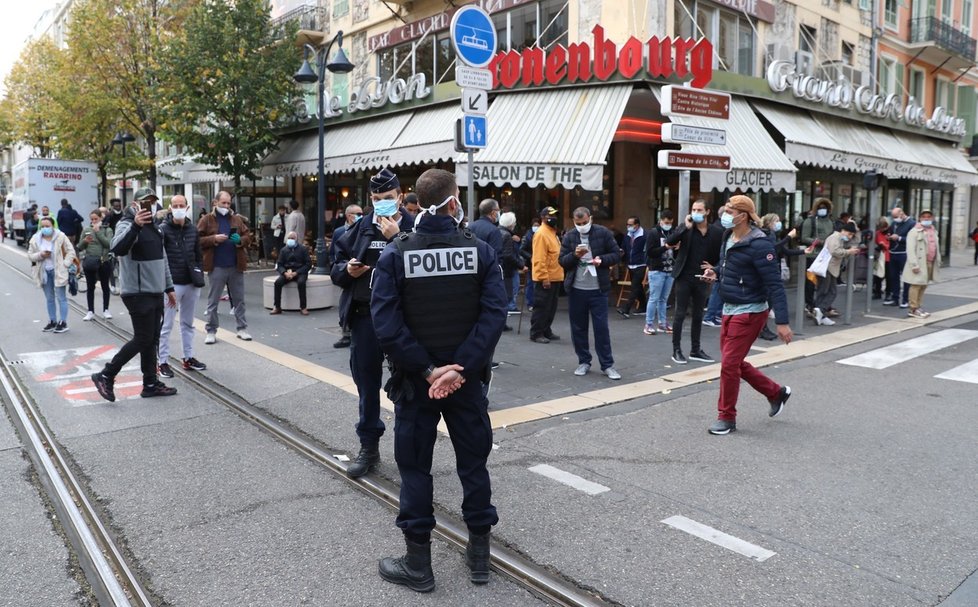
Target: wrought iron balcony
931,30
308,18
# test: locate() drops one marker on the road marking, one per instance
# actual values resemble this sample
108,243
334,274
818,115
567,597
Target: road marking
883,358
571,480
968,372
714,536
75,363
131,384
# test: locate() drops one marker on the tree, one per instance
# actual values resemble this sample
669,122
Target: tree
123,40
29,99
231,80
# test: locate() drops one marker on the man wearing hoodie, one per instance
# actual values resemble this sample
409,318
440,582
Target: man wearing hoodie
144,277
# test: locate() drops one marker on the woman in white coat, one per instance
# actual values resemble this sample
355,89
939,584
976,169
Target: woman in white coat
52,254
923,260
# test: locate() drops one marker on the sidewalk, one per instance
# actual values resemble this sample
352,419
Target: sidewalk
530,373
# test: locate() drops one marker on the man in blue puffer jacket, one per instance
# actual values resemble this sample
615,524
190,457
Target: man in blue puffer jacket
750,277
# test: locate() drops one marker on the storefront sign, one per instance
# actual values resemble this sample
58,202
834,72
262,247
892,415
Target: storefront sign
683,58
588,177
434,23
670,159
754,180
782,75
755,8
846,161
372,93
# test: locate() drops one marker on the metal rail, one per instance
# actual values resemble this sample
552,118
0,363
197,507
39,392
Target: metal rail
105,568
505,561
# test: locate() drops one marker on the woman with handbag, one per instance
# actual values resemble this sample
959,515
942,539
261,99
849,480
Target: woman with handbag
183,255
95,242
52,253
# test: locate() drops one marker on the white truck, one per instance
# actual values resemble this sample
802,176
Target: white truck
46,182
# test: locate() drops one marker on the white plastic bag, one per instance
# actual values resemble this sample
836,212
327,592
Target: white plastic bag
820,266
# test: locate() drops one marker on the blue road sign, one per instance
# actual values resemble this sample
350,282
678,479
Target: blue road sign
473,36
474,131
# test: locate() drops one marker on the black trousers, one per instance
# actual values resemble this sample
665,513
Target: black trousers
544,309
367,368
690,292
637,293
415,432
300,281
146,311
101,274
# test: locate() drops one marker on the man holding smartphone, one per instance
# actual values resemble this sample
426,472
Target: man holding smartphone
224,240
357,252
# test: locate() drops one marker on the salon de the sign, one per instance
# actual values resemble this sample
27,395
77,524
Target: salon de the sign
783,76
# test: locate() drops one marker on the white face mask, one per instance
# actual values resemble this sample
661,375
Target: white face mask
223,210
584,229
180,214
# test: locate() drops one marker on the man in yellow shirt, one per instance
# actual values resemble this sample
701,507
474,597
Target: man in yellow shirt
547,276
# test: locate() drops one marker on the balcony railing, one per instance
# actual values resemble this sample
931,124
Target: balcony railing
312,18
944,35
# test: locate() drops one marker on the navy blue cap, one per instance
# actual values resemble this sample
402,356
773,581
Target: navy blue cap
384,181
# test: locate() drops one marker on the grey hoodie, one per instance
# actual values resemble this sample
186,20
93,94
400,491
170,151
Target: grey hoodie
142,259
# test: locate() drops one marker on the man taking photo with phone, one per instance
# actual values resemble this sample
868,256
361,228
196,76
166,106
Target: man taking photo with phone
224,240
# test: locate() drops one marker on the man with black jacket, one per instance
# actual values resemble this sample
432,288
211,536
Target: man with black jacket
183,256
699,249
293,263
587,255
486,228
357,252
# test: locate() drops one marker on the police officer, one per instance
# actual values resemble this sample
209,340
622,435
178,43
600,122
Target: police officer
357,252
439,307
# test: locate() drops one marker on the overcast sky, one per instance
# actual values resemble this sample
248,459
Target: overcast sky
18,24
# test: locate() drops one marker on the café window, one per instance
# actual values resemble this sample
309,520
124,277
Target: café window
430,56
732,34
917,80
521,27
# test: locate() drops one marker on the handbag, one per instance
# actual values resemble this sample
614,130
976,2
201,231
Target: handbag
785,271
820,266
196,274
91,263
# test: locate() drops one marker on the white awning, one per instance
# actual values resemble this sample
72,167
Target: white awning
416,137
757,163
823,140
551,137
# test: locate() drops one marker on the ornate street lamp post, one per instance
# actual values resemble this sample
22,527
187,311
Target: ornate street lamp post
122,139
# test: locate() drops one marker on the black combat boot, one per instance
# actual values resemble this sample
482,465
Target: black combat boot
477,558
412,570
364,462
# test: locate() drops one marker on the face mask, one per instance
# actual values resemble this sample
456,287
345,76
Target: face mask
552,222
290,242
117,211
822,212
584,229
926,223
459,213
357,218
47,231
180,214
534,229
385,208
222,210
697,217
844,239
631,231
777,226
665,227
727,220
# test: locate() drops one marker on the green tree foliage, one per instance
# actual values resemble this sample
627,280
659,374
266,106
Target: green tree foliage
231,81
123,40
28,104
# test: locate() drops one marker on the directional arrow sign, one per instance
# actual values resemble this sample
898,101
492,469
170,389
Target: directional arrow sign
671,159
687,101
475,101
681,133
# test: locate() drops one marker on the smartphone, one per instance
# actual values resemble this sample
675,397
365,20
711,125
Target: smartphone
147,205
355,263
233,231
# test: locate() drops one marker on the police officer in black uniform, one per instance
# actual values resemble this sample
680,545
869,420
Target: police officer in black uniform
439,307
357,252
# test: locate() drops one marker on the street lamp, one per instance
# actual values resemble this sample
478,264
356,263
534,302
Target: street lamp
122,139
306,75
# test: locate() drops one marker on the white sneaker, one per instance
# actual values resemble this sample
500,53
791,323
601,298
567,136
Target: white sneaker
88,316
819,317
210,339
106,315
582,369
827,322
612,373
244,335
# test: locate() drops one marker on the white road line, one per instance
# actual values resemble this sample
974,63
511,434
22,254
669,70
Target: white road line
719,538
968,372
882,358
571,480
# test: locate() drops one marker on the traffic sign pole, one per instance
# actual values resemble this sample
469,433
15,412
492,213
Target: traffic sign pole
470,195
683,195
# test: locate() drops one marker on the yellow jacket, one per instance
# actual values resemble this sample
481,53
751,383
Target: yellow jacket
546,254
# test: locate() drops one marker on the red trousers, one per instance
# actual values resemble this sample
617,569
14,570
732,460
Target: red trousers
737,333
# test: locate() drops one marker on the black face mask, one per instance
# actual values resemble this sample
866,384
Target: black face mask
552,222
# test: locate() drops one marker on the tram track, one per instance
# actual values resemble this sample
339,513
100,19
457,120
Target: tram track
506,561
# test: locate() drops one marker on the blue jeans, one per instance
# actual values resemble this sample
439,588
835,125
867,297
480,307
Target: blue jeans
528,291
516,290
593,303
49,292
660,285
714,307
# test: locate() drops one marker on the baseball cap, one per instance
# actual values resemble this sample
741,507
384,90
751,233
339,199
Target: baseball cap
548,212
744,204
144,194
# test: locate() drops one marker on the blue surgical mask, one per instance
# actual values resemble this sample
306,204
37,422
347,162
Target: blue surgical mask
47,231
926,223
777,226
385,208
697,217
727,220
534,229
357,218
290,242
844,239
631,231
822,212
665,227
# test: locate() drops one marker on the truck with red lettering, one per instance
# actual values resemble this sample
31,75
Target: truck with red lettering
46,182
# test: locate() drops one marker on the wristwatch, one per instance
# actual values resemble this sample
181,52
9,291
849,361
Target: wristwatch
428,371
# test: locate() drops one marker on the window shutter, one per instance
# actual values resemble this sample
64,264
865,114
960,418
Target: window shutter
967,111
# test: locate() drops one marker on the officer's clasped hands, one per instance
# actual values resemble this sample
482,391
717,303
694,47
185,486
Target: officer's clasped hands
445,380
